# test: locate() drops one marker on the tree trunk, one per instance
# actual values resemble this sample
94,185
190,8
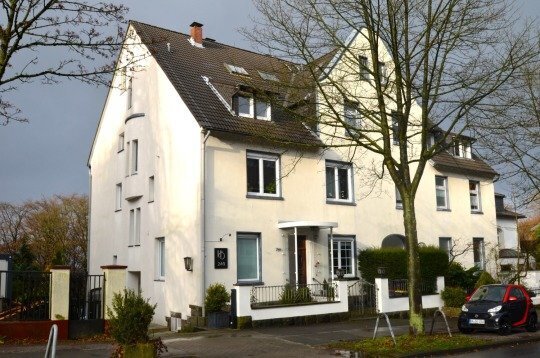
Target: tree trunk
416,320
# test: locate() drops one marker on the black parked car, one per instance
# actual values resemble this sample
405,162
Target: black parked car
498,308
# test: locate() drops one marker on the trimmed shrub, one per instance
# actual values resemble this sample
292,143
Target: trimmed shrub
433,263
457,276
130,316
216,298
484,279
453,296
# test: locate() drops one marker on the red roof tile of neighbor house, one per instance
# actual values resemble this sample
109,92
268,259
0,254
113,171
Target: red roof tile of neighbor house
185,65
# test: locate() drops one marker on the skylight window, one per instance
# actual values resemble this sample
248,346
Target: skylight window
268,76
237,70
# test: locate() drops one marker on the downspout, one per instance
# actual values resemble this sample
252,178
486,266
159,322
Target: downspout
203,216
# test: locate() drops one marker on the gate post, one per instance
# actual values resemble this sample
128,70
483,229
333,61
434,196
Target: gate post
59,304
115,282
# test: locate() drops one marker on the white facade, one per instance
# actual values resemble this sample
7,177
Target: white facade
196,183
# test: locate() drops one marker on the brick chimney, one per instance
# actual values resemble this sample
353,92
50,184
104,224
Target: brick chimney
196,34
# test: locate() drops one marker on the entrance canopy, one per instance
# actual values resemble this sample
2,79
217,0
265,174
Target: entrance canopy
309,224
298,224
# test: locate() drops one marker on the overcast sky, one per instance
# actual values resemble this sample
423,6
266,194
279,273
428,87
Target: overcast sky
48,155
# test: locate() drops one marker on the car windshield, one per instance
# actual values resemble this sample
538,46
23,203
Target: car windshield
489,293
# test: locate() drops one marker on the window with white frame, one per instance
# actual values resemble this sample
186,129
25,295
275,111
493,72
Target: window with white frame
339,182
245,106
248,106
351,115
382,71
121,142
445,244
479,253
128,152
160,258
461,148
262,109
395,128
130,93
151,189
118,205
474,195
248,257
262,174
134,156
441,192
135,227
363,68
399,201
343,255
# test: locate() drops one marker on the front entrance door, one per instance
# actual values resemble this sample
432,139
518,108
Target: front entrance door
302,274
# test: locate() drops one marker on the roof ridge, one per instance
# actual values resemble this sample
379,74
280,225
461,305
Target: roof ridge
216,42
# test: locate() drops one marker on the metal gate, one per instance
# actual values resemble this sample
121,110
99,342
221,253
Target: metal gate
362,298
86,304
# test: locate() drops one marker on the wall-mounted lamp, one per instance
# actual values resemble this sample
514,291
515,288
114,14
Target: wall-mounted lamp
188,263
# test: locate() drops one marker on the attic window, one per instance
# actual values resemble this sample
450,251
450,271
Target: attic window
251,107
268,76
461,148
237,70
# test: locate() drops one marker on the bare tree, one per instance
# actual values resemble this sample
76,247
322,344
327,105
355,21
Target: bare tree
408,69
509,133
12,227
48,40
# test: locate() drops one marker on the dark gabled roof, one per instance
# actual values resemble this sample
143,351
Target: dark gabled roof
445,162
508,214
185,65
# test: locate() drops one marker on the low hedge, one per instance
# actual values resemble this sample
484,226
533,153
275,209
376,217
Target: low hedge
453,296
433,263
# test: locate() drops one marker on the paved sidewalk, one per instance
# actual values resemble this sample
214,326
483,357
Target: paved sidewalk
290,341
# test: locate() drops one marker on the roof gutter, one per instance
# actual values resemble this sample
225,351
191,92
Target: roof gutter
204,135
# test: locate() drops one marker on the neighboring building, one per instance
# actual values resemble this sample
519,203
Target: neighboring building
183,170
507,235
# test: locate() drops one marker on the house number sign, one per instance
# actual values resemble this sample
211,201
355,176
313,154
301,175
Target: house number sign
221,257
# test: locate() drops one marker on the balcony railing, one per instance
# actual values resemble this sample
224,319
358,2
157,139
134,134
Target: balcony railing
290,295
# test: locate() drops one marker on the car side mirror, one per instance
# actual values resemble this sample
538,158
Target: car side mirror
512,298
467,298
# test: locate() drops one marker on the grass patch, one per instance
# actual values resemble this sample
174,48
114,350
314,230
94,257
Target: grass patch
384,346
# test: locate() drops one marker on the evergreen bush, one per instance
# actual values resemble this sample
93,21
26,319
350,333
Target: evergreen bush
292,295
433,263
130,316
484,279
216,298
453,296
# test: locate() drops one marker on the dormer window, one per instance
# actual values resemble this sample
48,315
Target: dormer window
252,107
245,106
237,70
268,76
461,149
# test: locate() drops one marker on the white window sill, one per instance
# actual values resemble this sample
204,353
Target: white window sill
340,202
443,209
264,197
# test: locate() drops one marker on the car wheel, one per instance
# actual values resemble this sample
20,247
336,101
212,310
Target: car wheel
504,327
531,323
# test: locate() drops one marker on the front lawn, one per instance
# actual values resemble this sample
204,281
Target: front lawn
384,346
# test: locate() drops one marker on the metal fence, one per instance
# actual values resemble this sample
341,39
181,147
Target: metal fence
265,296
400,288
362,298
24,295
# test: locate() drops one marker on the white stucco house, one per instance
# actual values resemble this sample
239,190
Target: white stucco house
186,192
507,236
